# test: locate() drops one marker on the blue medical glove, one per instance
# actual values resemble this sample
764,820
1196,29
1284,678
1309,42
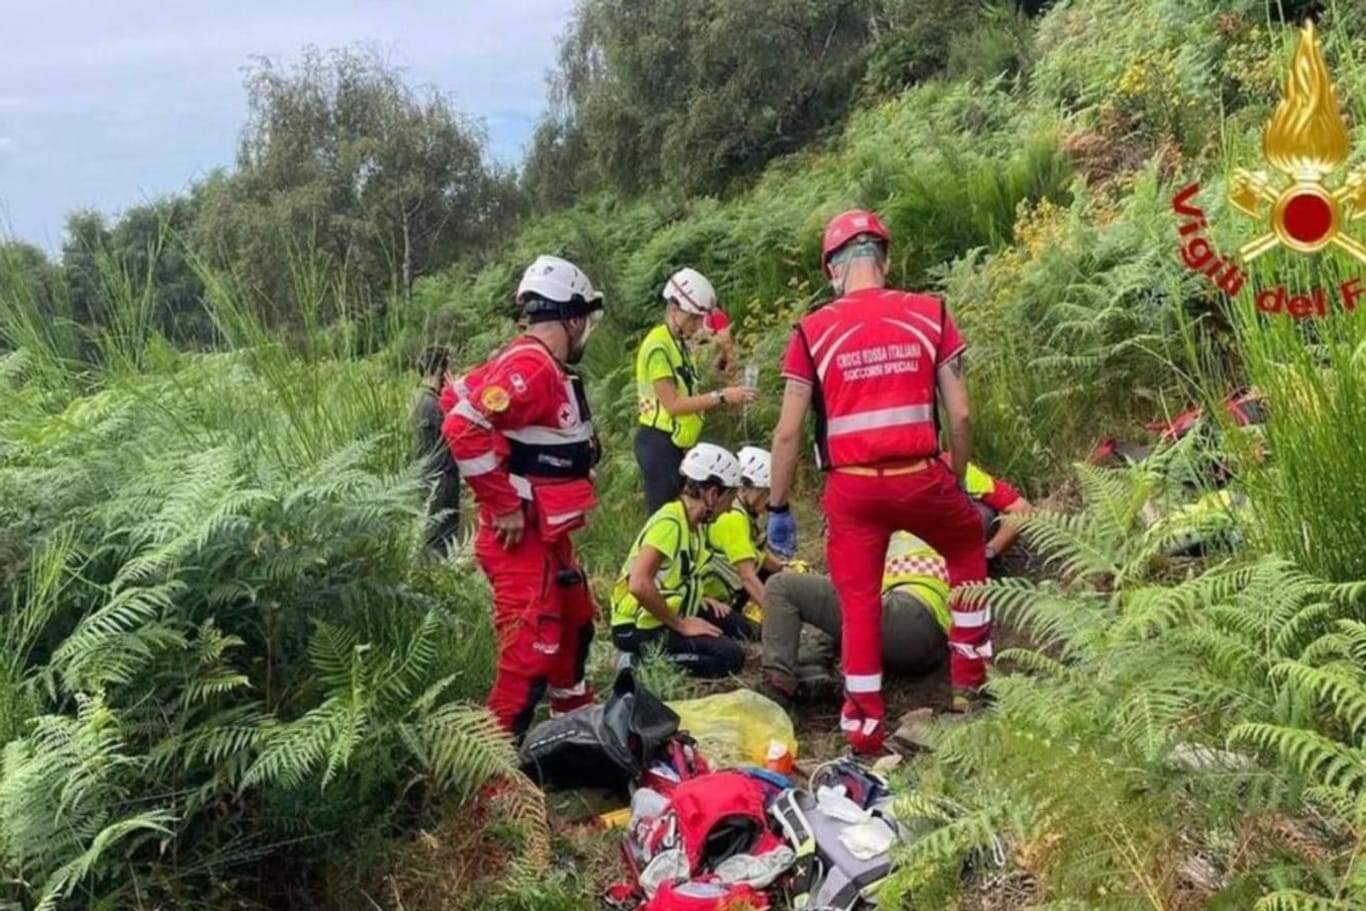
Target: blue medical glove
782,532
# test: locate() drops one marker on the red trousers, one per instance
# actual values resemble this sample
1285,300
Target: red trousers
862,512
543,624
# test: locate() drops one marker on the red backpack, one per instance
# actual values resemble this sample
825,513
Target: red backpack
715,828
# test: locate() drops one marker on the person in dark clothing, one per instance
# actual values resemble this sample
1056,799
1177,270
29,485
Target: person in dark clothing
435,455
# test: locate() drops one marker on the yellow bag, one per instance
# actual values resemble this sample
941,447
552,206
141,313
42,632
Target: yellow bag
735,728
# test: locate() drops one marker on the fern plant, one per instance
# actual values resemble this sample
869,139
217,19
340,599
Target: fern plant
222,640
1101,765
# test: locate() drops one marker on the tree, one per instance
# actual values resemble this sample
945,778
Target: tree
31,301
694,94
346,171
148,248
86,237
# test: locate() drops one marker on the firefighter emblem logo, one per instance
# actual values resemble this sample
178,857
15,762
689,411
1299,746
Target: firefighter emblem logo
1306,140
567,416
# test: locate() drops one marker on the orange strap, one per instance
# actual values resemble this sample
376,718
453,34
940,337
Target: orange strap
889,468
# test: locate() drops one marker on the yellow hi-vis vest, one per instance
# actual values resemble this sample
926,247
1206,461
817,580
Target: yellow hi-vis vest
663,356
733,537
679,577
919,569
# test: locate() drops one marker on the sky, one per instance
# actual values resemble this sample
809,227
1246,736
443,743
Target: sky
111,103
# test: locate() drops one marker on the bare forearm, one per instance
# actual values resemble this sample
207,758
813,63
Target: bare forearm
1008,529
960,447
691,404
677,405
1004,538
750,577
784,468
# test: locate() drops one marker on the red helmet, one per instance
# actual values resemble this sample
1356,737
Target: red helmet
848,225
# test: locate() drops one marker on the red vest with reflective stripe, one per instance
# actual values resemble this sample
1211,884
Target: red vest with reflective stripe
873,357
549,458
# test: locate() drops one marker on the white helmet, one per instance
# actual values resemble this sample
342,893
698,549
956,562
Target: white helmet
755,466
691,291
709,462
557,280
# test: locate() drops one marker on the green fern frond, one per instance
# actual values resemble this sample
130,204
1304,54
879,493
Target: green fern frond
1338,686
1295,900
292,751
1038,663
67,877
462,745
1321,758
332,651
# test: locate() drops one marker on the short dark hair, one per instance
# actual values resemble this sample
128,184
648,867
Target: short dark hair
697,488
434,359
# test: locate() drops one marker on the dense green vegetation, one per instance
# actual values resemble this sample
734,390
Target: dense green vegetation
230,678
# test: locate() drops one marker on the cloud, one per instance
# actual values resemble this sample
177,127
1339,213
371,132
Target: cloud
6,142
133,99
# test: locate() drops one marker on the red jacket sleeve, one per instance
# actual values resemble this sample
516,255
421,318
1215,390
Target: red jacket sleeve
796,362
1003,495
507,397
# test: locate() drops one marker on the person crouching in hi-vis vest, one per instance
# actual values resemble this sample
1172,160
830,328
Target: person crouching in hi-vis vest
671,407
657,602
994,498
740,562
915,619
522,436
873,365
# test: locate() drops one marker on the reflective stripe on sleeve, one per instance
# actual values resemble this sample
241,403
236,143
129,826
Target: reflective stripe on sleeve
521,485
470,413
473,468
563,517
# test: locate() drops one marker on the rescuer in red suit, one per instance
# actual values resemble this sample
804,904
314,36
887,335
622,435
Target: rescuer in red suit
523,439
873,365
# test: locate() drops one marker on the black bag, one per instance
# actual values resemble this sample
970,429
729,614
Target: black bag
600,746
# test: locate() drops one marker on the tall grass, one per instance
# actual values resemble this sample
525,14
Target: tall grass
224,647
1310,495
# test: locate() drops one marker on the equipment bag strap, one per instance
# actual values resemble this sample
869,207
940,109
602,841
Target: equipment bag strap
797,830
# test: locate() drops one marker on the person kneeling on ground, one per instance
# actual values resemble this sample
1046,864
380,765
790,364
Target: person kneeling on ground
994,498
915,618
657,601
740,562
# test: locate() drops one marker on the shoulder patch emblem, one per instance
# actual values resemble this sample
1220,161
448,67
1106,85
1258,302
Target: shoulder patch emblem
495,398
